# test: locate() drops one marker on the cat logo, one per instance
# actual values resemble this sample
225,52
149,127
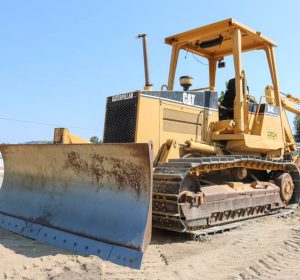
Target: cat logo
188,98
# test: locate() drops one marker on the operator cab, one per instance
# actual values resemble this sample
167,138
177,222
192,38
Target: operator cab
214,42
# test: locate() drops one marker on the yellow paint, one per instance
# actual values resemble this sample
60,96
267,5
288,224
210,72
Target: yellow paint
172,125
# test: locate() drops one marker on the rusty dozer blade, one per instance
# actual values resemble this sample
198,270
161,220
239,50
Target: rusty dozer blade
88,198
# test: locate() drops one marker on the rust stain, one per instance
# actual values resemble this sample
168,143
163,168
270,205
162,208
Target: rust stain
118,171
139,152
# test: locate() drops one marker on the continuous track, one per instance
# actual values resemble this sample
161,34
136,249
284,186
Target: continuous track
177,208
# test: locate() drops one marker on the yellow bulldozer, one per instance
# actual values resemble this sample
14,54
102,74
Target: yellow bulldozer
176,160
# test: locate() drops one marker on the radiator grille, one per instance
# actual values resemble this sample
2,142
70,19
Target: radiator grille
120,119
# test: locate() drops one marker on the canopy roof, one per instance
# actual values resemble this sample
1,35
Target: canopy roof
196,40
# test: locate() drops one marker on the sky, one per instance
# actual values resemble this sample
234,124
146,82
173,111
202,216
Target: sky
60,59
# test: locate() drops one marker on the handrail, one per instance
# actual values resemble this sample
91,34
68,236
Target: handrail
258,108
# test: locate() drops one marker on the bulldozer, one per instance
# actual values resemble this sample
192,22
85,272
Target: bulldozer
176,160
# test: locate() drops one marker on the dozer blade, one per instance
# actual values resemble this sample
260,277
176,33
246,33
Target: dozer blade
87,198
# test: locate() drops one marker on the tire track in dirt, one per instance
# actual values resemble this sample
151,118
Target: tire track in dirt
281,263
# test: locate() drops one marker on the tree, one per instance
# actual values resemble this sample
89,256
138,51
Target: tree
297,128
95,140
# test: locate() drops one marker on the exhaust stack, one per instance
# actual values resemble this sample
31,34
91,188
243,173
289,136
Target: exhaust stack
148,85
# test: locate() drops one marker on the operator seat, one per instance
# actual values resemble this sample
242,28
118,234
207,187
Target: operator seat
227,104
229,96
226,108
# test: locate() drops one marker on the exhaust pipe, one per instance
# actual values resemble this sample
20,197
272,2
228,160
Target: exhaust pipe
148,85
